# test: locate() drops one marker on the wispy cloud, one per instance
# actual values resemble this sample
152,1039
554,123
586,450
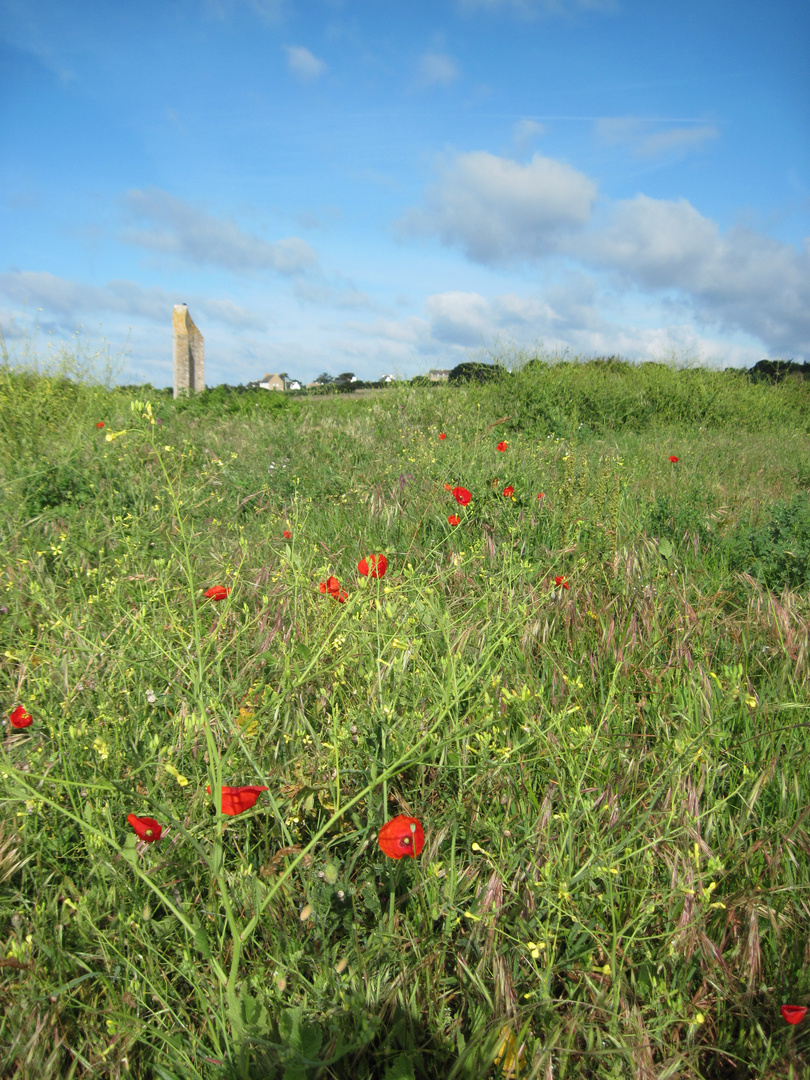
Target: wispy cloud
185,231
534,8
437,69
525,131
324,294
268,11
303,64
73,299
641,139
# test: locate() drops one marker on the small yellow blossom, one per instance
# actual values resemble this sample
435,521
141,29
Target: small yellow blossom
181,780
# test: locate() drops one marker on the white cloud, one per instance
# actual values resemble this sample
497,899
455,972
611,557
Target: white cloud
437,69
737,280
636,134
303,64
497,210
565,320
190,233
500,212
656,242
459,318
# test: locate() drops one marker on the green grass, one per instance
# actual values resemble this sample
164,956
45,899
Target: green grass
612,778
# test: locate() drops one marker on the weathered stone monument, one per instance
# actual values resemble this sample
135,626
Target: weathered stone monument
189,355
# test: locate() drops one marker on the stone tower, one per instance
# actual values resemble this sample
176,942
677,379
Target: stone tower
189,354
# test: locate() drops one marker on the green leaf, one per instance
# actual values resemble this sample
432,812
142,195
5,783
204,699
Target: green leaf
402,1069
302,1038
254,1012
201,940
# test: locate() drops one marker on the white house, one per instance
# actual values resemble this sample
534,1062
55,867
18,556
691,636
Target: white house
272,382
278,382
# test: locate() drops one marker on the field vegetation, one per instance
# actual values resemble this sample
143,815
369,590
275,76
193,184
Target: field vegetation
588,683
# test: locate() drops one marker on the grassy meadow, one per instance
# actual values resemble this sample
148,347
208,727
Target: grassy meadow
595,703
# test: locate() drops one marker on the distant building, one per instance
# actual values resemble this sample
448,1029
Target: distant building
279,382
439,374
386,379
272,382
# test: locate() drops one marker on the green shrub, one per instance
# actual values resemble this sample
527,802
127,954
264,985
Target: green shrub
231,400
473,371
56,486
607,395
680,521
777,551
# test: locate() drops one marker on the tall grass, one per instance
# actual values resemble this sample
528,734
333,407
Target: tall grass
612,776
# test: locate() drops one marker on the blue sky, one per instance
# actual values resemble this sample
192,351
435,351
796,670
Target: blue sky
342,185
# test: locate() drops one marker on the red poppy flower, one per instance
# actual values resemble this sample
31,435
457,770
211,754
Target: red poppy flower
20,718
792,1014
502,446
100,424
146,828
561,581
447,487
672,458
287,534
454,519
378,566
442,436
332,586
401,836
235,800
542,495
509,491
216,592
461,495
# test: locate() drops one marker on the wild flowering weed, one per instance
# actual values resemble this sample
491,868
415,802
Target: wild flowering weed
146,828
373,566
528,730
793,1014
216,593
19,718
402,836
235,800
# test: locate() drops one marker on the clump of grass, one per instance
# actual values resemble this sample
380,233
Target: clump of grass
611,776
